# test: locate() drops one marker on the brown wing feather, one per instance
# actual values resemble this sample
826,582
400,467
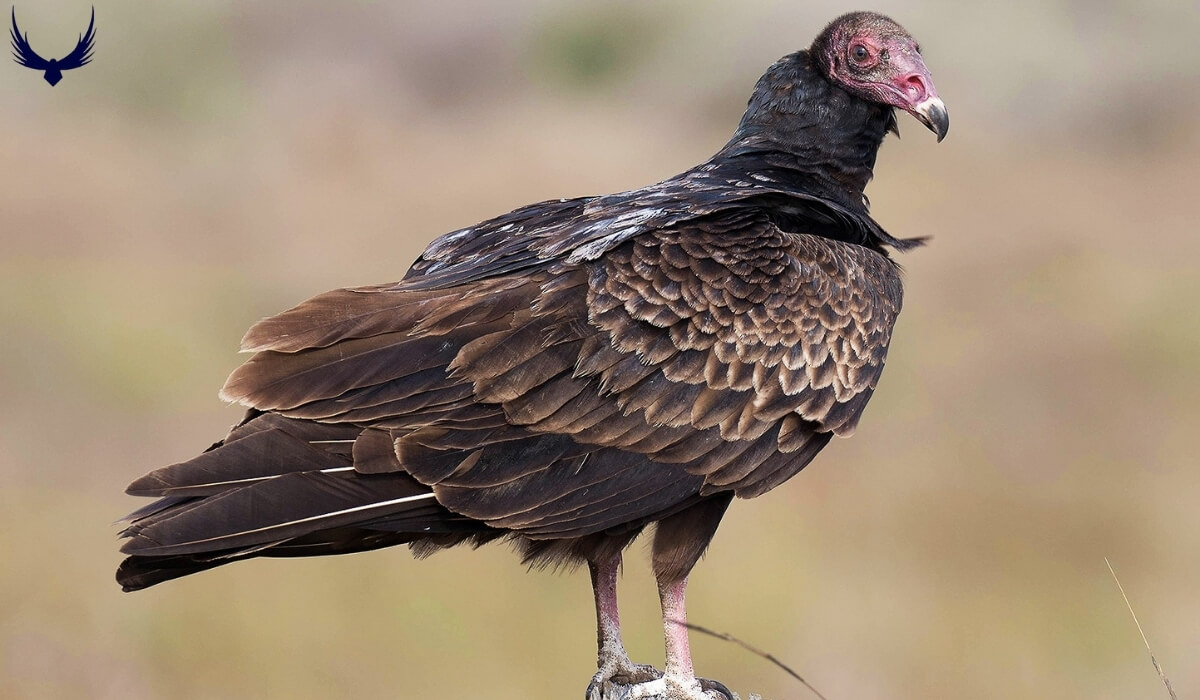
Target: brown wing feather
716,356
772,323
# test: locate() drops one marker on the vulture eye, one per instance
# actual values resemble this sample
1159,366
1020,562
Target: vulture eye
859,53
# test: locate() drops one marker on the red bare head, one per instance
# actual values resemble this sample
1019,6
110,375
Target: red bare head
872,57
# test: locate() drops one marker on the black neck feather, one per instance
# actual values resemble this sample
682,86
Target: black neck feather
800,128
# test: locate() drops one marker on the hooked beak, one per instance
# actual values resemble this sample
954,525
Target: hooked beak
912,90
932,113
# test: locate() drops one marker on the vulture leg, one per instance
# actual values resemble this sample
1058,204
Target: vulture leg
613,661
675,631
679,541
680,679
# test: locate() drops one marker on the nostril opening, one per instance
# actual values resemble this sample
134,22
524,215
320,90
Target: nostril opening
914,86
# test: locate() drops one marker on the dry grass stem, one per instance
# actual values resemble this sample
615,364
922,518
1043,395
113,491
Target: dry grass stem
1166,681
757,652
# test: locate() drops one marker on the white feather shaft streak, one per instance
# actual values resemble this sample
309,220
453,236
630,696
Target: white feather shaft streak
322,516
252,479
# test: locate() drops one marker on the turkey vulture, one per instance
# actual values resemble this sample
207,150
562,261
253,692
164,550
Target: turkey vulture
566,374
24,54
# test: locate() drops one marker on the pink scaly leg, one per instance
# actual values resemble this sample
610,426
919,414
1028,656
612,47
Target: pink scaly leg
675,632
613,662
679,682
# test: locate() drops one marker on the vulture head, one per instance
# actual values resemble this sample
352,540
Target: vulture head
872,57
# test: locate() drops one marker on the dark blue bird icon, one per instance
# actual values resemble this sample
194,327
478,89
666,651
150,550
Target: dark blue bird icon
24,54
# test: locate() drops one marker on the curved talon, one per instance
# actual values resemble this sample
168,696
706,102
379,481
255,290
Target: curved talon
594,690
717,687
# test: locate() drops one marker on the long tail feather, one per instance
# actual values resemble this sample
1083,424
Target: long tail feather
277,487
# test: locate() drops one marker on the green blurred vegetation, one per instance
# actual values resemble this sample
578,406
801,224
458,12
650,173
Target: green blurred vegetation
220,162
585,46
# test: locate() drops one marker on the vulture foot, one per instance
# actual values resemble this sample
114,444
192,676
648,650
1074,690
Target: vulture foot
617,677
641,682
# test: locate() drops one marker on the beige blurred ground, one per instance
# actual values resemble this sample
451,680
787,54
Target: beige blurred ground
221,161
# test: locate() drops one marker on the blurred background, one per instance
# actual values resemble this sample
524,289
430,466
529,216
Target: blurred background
221,161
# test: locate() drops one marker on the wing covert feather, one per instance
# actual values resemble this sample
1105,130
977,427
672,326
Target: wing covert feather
718,355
